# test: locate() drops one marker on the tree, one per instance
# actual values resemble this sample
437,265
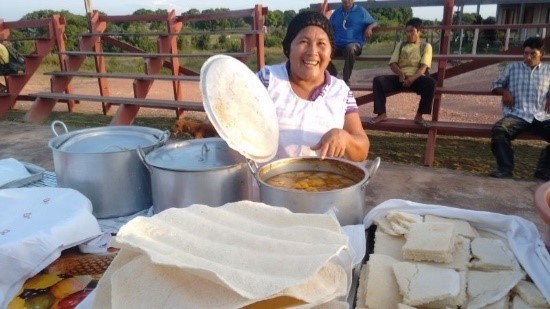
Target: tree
74,26
287,17
392,15
274,18
214,24
468,18
191,24
489,35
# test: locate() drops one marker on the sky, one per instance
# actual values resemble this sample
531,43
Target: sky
19,8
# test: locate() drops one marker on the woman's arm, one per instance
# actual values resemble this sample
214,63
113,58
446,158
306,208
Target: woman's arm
351,141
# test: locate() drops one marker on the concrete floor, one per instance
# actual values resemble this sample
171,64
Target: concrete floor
29,143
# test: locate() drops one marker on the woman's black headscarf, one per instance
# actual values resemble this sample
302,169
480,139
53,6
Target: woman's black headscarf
305,19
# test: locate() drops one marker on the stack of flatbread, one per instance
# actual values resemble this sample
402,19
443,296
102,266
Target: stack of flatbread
436,262
237,255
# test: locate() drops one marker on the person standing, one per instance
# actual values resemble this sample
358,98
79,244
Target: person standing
353,26
525,90
409,63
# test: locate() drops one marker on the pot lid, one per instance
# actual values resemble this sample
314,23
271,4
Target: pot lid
194,155
107,139
239,107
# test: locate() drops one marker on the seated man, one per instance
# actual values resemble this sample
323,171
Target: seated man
524,87
352,26
410,61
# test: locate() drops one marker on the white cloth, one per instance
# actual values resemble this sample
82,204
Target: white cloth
302,123
522,235
35,226
11,169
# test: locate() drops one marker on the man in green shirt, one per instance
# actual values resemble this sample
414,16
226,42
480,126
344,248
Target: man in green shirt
409,63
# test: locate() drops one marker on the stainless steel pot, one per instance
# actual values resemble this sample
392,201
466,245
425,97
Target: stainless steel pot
103,164
200,171
349,204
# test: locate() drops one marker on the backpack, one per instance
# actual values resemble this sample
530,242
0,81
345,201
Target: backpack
16,62
422,48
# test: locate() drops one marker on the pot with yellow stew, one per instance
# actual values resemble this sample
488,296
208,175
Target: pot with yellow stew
239,107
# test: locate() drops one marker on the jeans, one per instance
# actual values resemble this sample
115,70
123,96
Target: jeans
506,130
424,86
349,53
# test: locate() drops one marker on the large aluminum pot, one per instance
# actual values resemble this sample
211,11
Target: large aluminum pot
103,164
200,171
349,204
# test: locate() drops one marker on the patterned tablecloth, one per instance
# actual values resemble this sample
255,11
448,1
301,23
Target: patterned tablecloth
111,225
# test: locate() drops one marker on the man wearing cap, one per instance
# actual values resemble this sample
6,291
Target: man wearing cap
352,26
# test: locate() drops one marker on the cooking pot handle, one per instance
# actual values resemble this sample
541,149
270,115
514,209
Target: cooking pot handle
372,170
163,139
56,122
253,166
141,155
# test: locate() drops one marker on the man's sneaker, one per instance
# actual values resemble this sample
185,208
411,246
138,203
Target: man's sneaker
542,175
501,174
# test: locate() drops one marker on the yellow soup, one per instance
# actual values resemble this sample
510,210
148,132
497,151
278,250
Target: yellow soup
310,181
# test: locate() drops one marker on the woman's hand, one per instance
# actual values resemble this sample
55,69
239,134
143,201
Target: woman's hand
332,144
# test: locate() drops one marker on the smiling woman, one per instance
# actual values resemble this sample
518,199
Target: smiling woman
317,113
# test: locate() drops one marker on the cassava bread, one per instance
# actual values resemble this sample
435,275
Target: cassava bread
430,241
462,227
421,284
485,288
400,222
389,245
492,254
503,303
381,286
529,292
231,256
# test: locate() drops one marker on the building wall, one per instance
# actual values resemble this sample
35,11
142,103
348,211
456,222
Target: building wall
533,13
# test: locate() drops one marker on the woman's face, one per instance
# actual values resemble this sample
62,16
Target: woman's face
310,53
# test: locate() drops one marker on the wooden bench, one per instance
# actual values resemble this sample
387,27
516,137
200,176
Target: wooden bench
438,90
124,75
449,128
367,98
142,102
151,55
438,128
161,34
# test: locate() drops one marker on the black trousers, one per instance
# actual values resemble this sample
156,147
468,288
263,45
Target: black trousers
350,52
423,86
506,130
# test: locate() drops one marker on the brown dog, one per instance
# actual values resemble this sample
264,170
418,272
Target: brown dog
195,128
